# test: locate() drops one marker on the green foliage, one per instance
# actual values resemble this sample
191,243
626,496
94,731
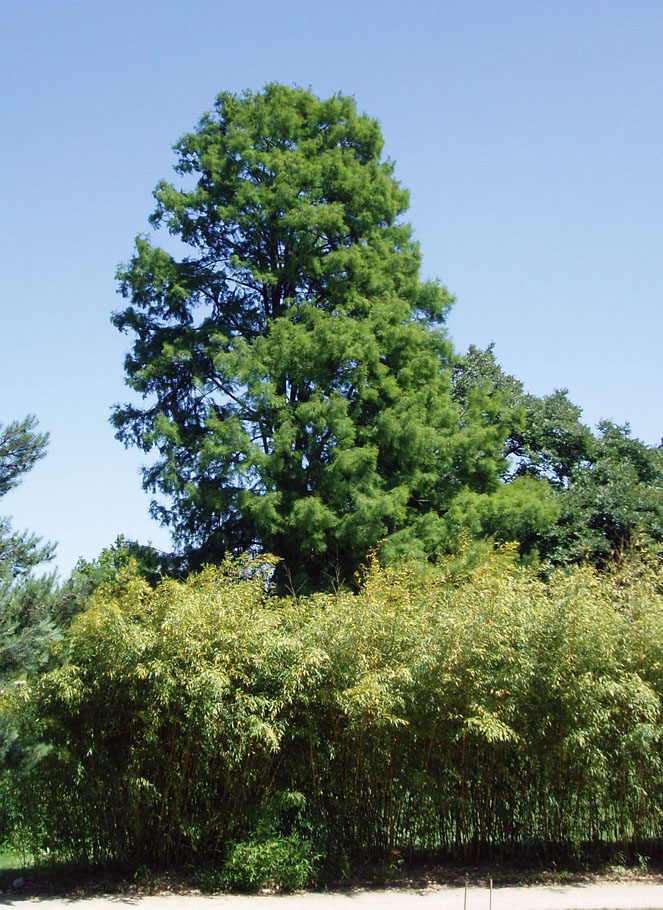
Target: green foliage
614,501
20,448
284,863
471,712
26,629
90,575
295,367
525,511
519,505
544,438
569,495
552,442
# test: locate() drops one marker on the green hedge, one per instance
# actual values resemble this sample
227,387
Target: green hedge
472,715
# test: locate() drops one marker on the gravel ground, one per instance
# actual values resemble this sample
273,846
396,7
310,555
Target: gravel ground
602,896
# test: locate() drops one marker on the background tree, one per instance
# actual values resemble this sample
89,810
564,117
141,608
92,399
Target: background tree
20,448
522,506
568,494
551,441
294,366
25,624
614,502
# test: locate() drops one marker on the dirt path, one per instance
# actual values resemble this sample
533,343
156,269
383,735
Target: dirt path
603,896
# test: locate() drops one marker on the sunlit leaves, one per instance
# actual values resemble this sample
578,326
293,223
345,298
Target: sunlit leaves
449,708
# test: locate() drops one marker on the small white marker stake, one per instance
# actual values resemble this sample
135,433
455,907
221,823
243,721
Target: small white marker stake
465,898
490,902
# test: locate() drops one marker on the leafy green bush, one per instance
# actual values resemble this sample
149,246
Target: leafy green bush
284,863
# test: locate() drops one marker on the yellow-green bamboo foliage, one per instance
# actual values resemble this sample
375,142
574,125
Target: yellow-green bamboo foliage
472,716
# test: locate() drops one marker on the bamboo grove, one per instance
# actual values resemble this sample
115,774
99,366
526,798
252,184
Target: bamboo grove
473,713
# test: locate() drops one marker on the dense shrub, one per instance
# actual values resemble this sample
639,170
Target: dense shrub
284,862
432,711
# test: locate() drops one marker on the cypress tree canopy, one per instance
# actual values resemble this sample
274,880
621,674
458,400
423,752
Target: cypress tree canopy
293,366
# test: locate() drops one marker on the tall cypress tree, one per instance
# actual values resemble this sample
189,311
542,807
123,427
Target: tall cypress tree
294,368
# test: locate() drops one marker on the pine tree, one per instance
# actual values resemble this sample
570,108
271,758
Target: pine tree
26,629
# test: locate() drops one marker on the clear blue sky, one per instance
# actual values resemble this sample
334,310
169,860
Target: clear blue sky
530,135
